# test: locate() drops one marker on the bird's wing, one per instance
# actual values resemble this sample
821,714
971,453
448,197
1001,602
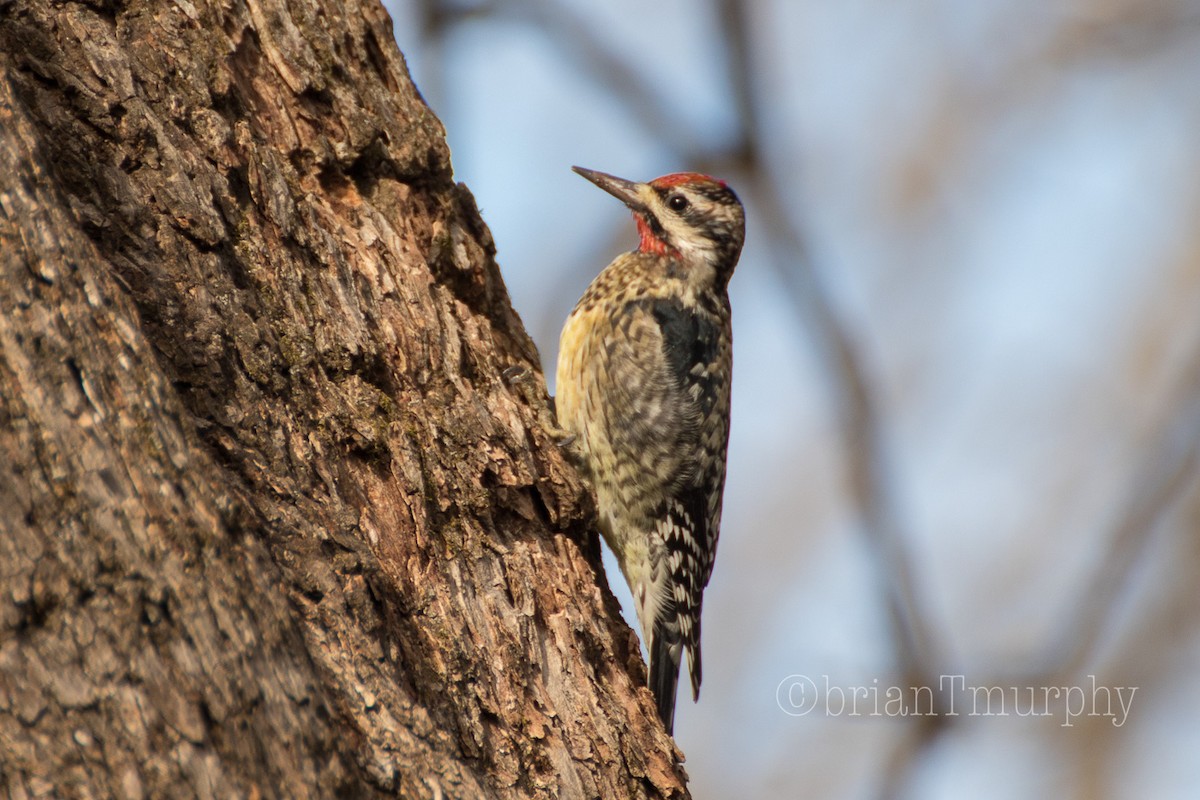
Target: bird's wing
671,368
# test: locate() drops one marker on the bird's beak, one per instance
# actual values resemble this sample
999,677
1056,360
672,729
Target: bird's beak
627,192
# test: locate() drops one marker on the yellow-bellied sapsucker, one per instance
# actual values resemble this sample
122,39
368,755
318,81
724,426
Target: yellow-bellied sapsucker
644,369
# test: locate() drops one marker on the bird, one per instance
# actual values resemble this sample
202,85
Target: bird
643,402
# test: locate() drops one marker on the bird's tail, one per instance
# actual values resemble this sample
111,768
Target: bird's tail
664,676
693,651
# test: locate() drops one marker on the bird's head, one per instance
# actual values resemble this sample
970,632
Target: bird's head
688,215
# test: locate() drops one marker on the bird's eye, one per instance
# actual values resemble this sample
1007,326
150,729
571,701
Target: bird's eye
677,203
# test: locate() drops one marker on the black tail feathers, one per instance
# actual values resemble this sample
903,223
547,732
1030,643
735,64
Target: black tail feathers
664,678
694,668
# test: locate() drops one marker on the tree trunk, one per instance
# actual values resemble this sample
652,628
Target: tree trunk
273,524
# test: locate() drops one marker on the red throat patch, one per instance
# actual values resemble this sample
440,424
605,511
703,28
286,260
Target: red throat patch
649,242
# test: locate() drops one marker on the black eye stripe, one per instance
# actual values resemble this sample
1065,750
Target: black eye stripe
709,211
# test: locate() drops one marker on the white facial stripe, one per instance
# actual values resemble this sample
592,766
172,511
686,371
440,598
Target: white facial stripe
690,242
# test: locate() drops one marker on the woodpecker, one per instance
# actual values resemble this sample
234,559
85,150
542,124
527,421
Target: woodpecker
643,383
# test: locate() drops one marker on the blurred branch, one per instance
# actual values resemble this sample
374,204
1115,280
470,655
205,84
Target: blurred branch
433,20
1168,469
608,70
439,15
870,483
1123,31
854,401
916,651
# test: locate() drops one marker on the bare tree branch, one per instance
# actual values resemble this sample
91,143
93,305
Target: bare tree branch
871,485
1169,469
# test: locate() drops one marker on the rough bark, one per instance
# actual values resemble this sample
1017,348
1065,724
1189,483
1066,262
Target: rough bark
272,524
